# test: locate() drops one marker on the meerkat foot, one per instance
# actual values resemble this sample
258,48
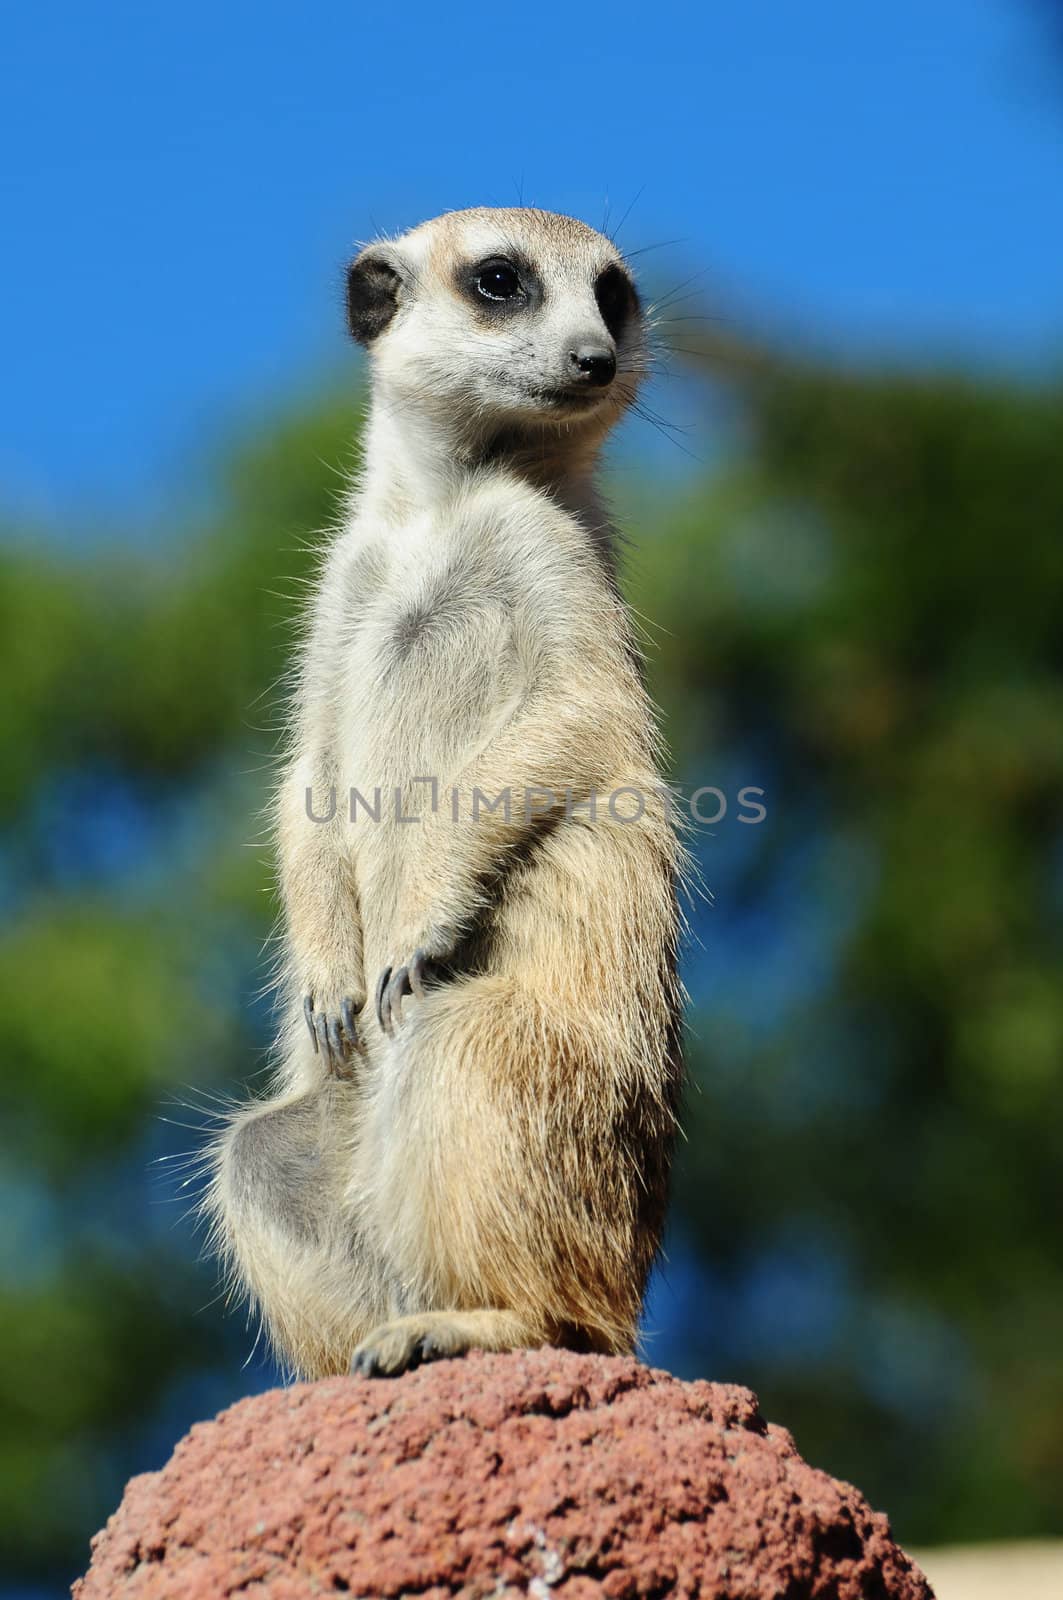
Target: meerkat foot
406,1343
396,984
334,1031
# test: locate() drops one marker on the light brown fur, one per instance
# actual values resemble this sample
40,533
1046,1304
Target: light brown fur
493,1171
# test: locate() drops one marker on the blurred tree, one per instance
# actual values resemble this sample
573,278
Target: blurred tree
859,615
135,749
873,603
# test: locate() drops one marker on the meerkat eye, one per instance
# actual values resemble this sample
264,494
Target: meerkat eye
616,298
498,280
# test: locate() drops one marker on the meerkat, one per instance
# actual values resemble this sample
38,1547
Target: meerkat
469,1135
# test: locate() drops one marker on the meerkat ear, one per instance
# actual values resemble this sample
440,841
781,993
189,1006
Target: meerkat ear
373,284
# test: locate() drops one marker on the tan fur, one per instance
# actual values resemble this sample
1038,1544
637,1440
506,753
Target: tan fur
494,1171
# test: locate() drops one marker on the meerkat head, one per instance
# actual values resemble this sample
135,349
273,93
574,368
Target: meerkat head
501,321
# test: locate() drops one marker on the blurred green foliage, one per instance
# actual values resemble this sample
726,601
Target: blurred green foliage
861,614
878,592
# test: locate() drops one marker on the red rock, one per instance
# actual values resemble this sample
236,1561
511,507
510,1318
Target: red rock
541,1473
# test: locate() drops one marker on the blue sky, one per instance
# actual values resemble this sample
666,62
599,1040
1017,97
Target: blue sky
182,185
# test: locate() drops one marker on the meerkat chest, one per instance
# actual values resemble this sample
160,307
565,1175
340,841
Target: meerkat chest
433,659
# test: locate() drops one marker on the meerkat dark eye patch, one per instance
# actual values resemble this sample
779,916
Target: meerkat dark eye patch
372,295
498,286
498,280
616,297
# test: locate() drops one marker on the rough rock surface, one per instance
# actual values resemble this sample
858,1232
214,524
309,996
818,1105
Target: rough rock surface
541,1473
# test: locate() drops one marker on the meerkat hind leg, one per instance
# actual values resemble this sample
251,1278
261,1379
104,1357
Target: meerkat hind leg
277,1202
401,1345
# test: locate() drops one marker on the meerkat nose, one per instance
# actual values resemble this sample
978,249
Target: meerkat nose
593,364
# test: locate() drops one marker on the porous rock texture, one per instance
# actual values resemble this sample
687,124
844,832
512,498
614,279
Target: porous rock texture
539,1473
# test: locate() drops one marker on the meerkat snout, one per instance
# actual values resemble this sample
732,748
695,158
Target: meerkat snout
592,365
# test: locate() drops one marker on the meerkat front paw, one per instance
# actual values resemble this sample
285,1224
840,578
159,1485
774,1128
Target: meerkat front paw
334,1030
398,983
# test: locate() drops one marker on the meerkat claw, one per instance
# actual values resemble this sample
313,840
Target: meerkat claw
396,984
381,989
418,965
334,1036
398,989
